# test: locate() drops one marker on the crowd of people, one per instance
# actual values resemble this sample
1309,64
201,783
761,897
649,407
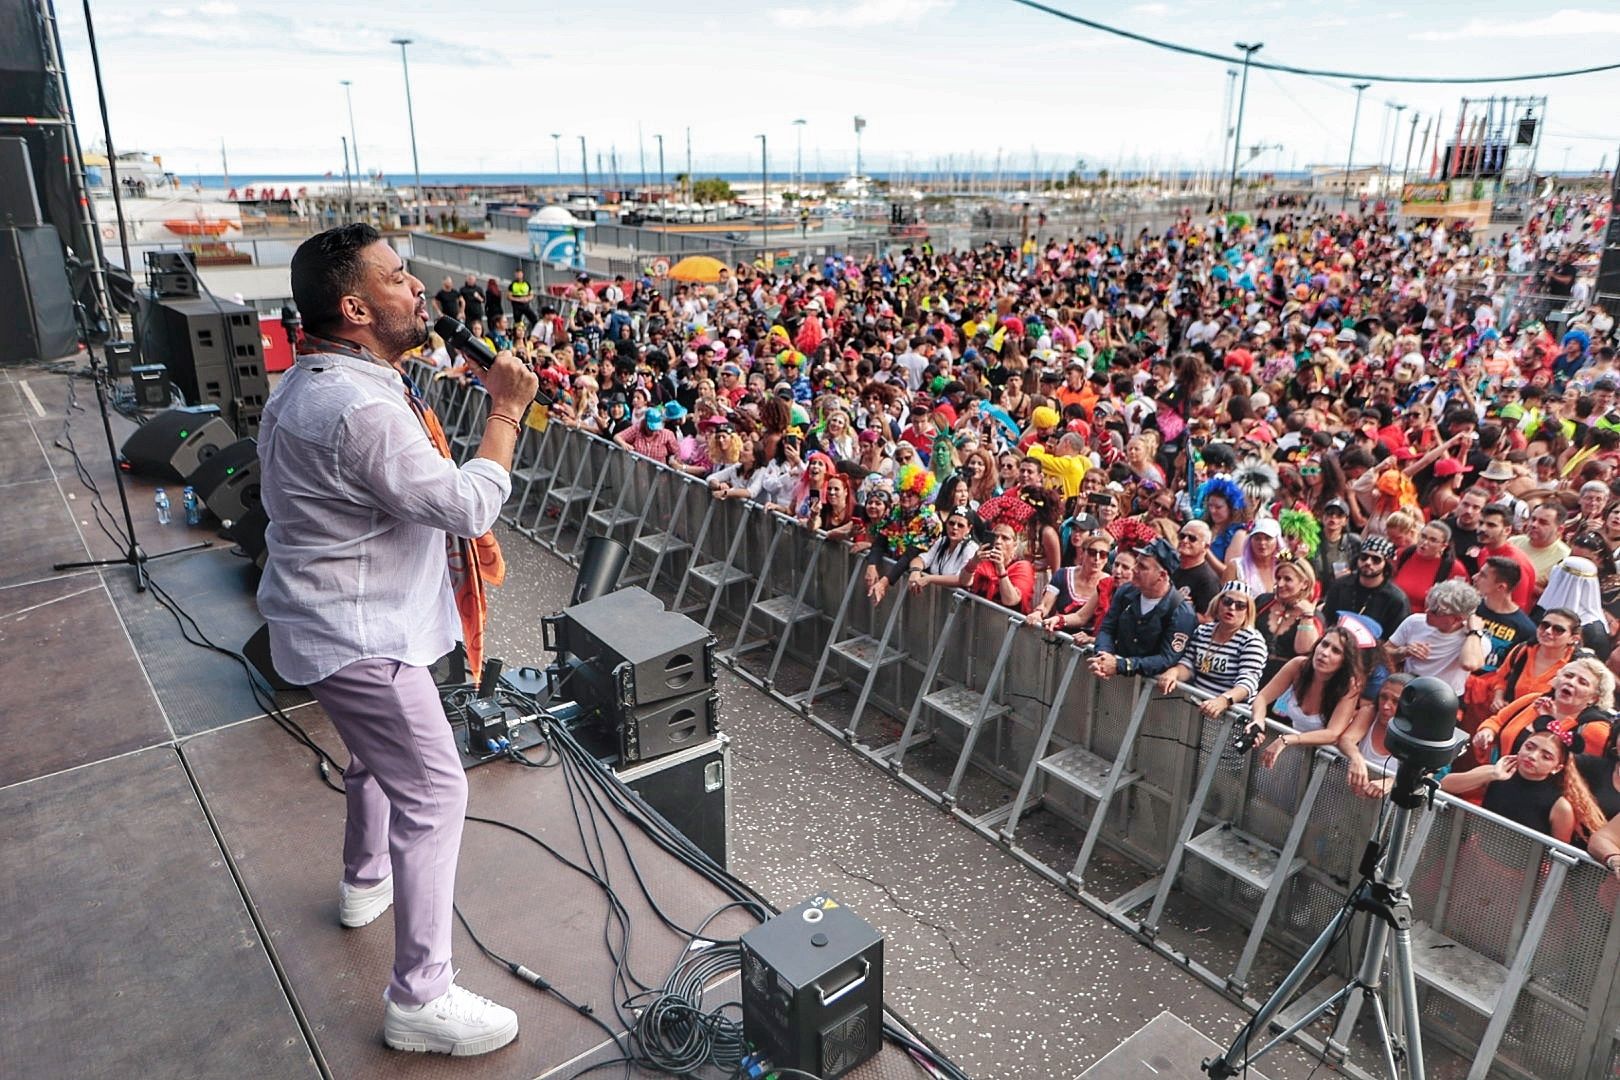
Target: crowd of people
1292,461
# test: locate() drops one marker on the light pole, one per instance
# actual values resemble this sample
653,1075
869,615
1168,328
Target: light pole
556,152
860,126
410,113
585,173
660,139
798,157
764,189
1394,130
1355,121
354,140
1237,131
348,183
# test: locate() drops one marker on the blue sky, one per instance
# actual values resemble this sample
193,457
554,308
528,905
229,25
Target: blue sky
492,80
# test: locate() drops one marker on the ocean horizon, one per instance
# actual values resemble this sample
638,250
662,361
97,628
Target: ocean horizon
632,180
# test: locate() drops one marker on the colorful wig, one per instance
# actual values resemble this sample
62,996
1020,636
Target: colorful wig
1301,527
1220,485
918,481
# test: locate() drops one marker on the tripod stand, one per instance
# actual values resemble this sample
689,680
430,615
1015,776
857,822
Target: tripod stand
133,554
1382,896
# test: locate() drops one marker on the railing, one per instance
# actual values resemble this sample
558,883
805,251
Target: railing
1121,796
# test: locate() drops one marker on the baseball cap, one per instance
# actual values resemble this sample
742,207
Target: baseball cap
1378,545
1335,506
1160,551
1449,466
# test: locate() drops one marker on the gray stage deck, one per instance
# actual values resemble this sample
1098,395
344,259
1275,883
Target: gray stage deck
1006,974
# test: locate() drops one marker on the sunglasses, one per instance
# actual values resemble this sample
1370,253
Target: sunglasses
1233,602
1557,628
1369,558
1100,553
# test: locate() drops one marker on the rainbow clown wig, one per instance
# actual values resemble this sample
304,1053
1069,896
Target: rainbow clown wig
918,481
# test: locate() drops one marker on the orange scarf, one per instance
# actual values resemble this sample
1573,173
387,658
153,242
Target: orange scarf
481,554
473,563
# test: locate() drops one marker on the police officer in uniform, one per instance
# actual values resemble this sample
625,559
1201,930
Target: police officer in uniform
1148,623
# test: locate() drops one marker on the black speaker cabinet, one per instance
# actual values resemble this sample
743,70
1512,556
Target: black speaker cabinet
257,653
151,385
19,199
36,315
172,444
247,532
119,357
214,354
171,275
228,482
689,790
642,732
812,988
652,654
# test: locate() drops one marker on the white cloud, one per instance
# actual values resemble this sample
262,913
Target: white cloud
1568,22
1155,10
858,15
215,7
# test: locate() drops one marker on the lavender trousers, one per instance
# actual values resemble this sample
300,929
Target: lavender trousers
407,794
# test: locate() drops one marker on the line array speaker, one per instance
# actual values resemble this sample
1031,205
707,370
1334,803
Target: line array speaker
214,354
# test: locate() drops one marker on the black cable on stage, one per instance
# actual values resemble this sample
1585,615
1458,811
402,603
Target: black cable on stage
668,1012
109,526
1191,50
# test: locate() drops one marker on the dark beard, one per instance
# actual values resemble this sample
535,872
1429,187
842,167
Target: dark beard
398,336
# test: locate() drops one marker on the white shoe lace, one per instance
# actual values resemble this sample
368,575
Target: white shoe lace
459,1003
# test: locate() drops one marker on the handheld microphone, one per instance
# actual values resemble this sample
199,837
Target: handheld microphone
458,337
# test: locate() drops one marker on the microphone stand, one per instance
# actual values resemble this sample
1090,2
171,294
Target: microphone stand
133,554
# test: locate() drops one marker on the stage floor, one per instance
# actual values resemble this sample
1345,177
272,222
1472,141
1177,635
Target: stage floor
171,862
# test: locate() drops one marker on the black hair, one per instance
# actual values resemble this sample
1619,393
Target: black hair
1504,570
326,268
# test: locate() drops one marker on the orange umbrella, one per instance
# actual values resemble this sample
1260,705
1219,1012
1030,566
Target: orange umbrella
700,268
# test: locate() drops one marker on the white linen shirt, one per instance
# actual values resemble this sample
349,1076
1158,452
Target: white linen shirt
360,502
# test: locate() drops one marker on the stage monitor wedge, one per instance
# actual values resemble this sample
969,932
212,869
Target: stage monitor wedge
228,482
172,444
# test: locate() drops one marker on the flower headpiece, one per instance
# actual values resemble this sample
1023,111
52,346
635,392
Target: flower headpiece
1132,533
918,481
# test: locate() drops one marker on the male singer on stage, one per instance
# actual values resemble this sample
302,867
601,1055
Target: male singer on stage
379,550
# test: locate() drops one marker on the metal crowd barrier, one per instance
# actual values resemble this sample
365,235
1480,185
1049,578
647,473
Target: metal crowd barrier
1001,723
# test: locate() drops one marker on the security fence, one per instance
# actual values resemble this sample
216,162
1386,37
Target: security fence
1133,802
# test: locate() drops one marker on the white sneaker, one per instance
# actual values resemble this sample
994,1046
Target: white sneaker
357,907
457,1022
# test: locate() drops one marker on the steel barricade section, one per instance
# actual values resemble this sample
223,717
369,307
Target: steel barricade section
1516,949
